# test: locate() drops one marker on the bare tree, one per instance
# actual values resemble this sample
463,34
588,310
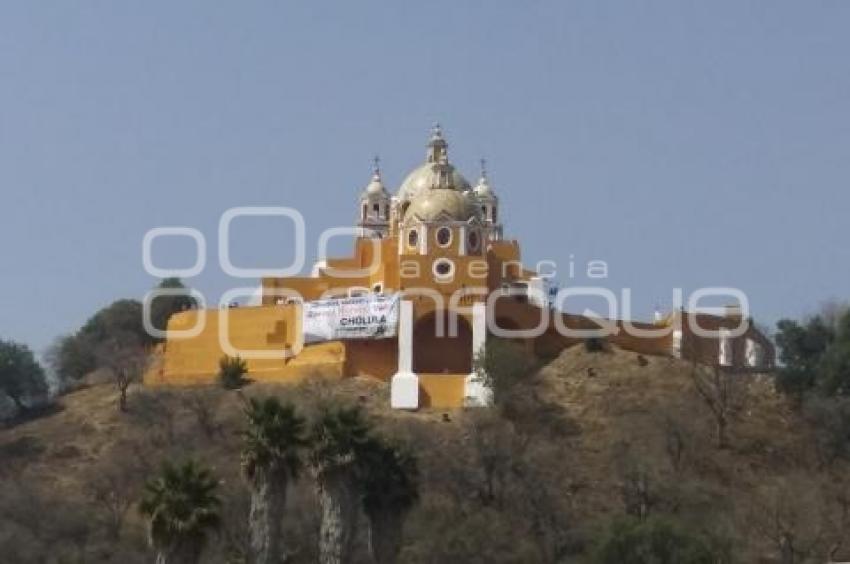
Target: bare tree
721,392
837,516
38,528
494,445
637,492
677,435
126,359
115,483
204,406
832,310
788,513
156,411
542,497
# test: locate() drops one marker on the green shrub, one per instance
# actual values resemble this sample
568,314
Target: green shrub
502,366
231,372
653,541
595,344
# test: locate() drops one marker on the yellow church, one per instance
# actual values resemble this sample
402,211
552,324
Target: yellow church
431,278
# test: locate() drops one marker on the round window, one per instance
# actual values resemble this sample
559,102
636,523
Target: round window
412,237
443,269
444,236
473,241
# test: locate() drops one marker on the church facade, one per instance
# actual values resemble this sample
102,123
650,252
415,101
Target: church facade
436,247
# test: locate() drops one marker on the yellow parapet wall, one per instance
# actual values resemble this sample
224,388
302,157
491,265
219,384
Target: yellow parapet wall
442,391
268,330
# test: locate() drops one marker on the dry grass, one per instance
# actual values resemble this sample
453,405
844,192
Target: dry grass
614,413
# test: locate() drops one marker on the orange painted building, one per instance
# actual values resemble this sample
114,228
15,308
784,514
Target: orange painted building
438,244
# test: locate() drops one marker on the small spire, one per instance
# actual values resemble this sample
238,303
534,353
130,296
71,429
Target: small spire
483,188
376,167
436,131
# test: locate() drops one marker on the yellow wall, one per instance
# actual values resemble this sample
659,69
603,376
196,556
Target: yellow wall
441,391
188,361
274,328
376,358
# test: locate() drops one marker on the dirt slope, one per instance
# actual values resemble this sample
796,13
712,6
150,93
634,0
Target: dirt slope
619,422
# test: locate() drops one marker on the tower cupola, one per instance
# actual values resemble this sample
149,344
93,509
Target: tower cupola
438,149
375,205
487,201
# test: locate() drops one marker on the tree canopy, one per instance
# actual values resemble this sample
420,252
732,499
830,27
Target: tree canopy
21,376
815,355
163,307
73,356
652,541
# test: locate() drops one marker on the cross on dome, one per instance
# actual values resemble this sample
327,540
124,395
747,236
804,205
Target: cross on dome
376,167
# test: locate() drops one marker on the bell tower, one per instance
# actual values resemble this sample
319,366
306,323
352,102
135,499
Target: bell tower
374,213
488,204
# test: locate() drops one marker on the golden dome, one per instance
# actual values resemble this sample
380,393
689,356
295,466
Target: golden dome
436,172
428,176
441,204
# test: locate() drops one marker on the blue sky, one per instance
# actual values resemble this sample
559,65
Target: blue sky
686,144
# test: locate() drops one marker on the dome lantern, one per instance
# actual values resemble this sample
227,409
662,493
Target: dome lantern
438,149
436,172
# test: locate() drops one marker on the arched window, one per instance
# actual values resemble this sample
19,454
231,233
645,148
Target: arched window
473,241
412,238
444,236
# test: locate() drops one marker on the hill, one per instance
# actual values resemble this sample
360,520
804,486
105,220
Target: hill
589,438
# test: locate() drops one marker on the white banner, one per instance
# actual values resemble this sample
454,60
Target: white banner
364,317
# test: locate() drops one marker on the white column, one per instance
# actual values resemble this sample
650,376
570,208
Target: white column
404,386
725,354
753,354
476,392
423,239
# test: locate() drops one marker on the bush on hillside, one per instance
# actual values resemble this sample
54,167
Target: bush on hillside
834,377
502,366
231,372
830,421
595,344
653,541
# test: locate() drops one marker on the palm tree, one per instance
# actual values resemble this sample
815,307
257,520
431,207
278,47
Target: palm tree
339,437
182,506
389,479
271,458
